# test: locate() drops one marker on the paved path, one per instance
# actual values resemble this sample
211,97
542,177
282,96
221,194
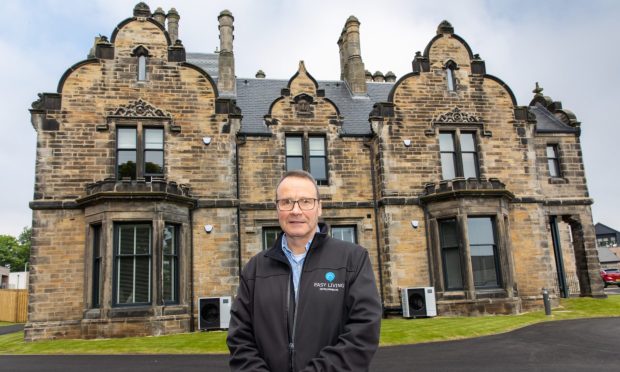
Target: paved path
566,346
11,328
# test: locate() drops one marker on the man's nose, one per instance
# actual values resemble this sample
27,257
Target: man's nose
296,208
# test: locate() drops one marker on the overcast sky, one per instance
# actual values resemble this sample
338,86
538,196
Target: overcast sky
571,47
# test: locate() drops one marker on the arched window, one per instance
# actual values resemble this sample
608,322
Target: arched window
450,66
141,54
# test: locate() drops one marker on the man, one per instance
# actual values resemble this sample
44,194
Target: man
309,303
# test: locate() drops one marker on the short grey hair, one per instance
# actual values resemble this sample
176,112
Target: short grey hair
298,173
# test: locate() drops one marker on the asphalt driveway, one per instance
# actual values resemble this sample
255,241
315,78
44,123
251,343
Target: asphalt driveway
571,345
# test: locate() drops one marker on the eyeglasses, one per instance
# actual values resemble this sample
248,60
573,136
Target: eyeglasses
305,204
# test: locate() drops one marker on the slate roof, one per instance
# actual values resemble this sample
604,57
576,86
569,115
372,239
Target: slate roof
206,61
546,122
254,96
601,229
606,255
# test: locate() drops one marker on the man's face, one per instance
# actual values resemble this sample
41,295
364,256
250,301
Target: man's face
298,223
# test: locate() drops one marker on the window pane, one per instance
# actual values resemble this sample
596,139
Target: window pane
467,142
126,164
446,142
448,232
124,290
270,235
483,266
169,240
143,279
452,267
346,233
143,239
450,79
554,170
317,168
448,171
126,138
551,153
293,163
469,165
141,68
154,139
153,162
317,146
294,147
480,230
126,240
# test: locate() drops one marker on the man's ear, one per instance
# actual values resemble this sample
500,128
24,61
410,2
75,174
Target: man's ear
320,210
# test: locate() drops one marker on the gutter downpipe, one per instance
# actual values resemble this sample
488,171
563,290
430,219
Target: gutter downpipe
376,210
192,327
240,141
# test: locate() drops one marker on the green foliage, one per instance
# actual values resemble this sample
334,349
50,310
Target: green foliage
15,252
393,332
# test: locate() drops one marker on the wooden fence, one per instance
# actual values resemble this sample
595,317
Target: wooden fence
14,305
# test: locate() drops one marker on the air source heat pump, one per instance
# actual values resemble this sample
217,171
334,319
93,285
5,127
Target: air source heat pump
214,313
418,302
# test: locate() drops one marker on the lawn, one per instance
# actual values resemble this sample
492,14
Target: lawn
393,332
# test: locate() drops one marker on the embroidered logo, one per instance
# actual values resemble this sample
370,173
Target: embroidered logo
330,276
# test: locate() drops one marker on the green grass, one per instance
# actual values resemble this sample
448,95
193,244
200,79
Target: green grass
393,332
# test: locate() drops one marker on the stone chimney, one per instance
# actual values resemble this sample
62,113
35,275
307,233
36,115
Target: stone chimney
351,66
160,16
226,60
173,25
390,77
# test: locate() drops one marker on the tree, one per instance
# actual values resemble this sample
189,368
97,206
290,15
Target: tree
15,252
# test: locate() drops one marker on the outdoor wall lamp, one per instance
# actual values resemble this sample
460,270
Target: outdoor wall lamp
208,228
415,224
407,142
206,140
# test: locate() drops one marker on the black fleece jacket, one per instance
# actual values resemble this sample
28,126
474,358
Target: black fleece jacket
335,325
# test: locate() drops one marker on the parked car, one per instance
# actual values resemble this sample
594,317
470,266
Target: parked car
611,276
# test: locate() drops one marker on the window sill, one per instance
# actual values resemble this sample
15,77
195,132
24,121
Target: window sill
557,180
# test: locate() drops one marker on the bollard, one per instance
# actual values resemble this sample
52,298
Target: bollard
546,301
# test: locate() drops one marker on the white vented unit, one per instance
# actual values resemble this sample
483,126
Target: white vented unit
418,302
214,312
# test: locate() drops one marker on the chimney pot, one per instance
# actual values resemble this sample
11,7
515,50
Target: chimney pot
173,24
260,74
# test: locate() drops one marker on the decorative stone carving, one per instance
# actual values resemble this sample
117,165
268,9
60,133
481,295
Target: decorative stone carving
456,116
140,109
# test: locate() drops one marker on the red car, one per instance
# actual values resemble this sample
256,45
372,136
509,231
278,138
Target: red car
611,276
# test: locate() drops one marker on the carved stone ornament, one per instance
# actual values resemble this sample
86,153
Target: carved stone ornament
140,109
456,116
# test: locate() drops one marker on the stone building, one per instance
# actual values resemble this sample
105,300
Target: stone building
156,170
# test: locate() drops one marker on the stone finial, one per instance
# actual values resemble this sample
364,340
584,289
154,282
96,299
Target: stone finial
141,10
173,18
445,28
160,16
368,75
390,77
378,77
260,74
537,90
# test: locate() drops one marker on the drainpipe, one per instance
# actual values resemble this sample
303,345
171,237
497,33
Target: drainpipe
376,209
240,141
559,260
191,269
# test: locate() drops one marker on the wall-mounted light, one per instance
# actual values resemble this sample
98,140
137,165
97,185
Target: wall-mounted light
415,224
407,142
206,140
208,228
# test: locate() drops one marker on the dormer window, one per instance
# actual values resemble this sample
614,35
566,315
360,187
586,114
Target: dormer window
450,66
141,54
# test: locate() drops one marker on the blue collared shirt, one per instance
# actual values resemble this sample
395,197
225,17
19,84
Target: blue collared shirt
296,261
